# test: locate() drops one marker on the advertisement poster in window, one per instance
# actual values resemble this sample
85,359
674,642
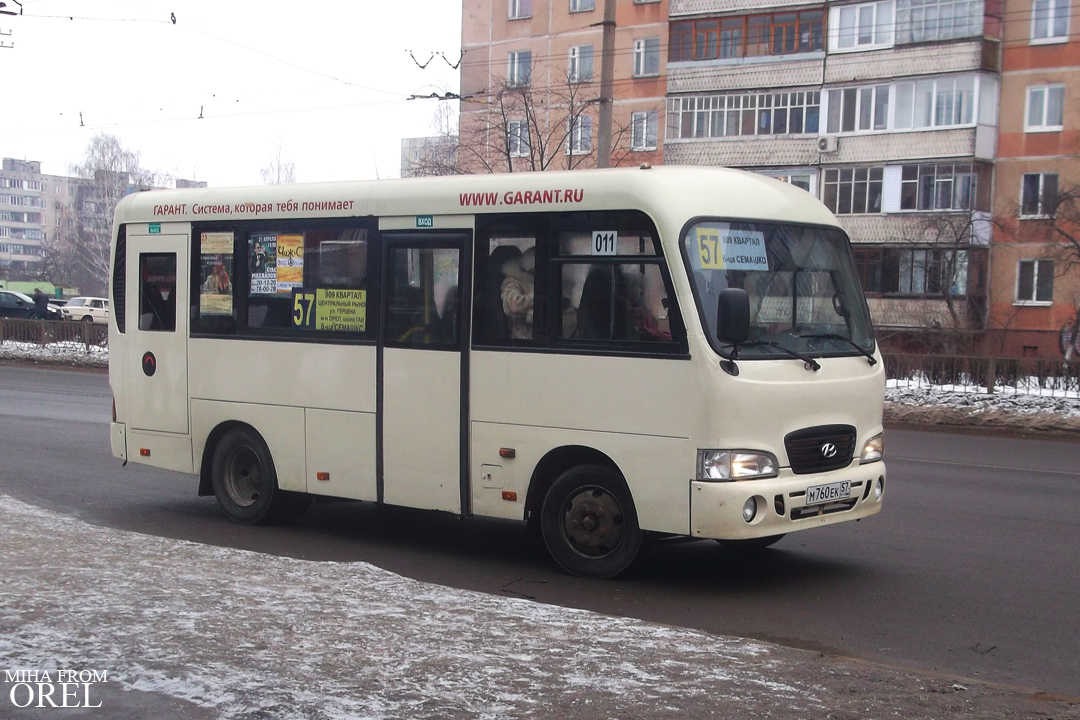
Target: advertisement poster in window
215,290
290,263
262,250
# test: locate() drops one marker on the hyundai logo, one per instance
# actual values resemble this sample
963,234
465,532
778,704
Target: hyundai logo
828,450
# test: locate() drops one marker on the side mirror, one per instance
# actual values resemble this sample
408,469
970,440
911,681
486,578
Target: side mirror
733,316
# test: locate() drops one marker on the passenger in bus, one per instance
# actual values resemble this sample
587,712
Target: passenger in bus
517,294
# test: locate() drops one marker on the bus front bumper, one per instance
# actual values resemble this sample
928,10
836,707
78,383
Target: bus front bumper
779,505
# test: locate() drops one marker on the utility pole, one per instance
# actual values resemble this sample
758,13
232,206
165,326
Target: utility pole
607,81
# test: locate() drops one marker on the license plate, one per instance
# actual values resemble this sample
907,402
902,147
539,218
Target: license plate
819,494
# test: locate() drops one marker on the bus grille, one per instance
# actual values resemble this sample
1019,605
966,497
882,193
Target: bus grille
820,449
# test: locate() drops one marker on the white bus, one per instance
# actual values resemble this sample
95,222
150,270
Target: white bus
605,355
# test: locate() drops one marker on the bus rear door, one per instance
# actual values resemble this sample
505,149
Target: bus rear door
157,327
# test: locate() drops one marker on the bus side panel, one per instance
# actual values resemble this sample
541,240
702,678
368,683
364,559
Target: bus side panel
161,450
281,427
637,411
341,454
314,375
659,486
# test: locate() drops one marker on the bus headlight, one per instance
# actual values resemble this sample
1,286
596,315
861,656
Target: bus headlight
726,465
873,449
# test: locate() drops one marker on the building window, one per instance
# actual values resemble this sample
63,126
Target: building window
518,9
643,131
517,138
935,103
519,68
1038,194
646,57
580,135
912,271
861,27
582,5
927,20
802,180
1035,281
712,116
579,66
862,109
748,36
1049,21
1045,105
849,191
944,186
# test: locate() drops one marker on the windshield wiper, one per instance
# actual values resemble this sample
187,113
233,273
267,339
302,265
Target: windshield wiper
830,336
810,362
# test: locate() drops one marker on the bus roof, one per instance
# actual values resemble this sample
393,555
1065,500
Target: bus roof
672,193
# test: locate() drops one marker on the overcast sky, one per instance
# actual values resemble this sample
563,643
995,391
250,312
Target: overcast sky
326,79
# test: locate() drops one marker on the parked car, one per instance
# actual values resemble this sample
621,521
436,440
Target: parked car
14,304
87,309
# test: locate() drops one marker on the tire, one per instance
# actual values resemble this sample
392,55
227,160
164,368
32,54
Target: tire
88,318
752,544
589,523
245,481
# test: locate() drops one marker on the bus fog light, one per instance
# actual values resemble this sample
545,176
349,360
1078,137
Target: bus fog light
749,510
879,488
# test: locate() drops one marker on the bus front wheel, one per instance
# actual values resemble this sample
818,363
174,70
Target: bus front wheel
245,481
589,523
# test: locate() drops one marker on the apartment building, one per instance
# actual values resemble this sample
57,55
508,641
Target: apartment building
32,207
885,110
1035,291
530,83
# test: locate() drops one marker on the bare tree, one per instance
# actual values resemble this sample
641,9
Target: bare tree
279,171
945,261
517,126
109,171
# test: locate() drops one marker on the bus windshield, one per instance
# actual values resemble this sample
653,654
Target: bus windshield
801,280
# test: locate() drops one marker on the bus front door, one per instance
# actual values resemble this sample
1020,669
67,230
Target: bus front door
156,321
421,409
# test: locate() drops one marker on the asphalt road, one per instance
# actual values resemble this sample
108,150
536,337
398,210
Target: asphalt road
970,571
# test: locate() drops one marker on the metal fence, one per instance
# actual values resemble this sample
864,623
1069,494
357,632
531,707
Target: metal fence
50,332
971,374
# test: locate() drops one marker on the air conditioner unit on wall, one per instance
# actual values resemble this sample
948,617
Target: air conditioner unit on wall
827,144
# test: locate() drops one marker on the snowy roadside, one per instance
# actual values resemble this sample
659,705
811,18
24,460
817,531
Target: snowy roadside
61,354
926,406
235,634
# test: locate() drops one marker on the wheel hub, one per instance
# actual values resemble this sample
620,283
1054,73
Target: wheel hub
243,477
593,522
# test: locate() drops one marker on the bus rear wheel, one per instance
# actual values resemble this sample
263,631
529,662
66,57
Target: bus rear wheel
589,523
245,481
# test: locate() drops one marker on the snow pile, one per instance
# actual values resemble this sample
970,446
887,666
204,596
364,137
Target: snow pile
253,635
63,353
1003,400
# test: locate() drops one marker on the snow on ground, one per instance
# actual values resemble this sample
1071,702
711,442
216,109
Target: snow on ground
252,635
901,392
64,353
1002,400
